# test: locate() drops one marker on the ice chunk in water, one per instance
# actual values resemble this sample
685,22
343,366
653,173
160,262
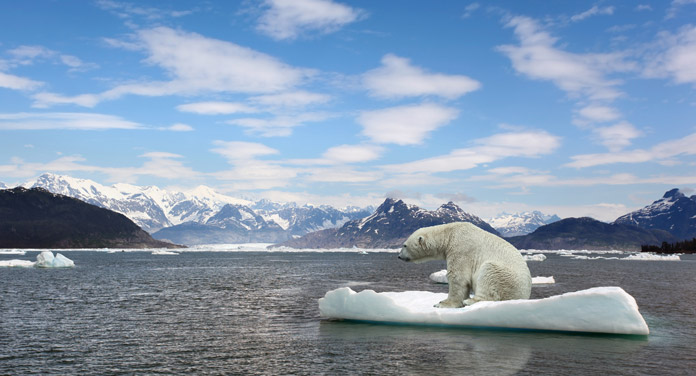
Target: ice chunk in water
598,310
46,260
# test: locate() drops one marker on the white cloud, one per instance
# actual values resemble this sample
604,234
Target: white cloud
405,125
594,11
28,55
64,120
46,99
236,151
298,98
343,175
204,64
288,19
663,151
178,127
470,9
9,81
599,113
675,7
128,10
158,164
197,64
255,174
576,74
618,136
397,78
216,108
675,57
527,144
352,153
280,125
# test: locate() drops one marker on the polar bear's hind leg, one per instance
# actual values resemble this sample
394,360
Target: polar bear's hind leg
495,282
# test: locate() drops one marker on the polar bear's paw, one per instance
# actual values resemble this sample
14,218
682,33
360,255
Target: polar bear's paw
448,304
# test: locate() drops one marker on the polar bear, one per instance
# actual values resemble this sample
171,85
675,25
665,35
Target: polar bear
478,262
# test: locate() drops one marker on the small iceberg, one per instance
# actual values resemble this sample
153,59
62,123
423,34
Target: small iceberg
597,310
45,259
535,257
441,277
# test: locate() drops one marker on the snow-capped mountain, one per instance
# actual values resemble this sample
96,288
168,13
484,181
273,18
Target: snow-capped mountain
150,207
521,223
3,186
674,212
387,227
228,218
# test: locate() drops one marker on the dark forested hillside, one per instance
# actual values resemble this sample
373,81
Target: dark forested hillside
36,218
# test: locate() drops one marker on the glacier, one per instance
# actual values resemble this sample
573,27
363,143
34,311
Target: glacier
45,259
608,310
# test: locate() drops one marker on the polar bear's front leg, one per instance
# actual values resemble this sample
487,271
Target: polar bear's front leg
458,291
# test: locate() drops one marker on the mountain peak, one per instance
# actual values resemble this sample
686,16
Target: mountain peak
674,213
674,193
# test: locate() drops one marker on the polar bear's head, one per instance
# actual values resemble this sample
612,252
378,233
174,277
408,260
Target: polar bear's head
421,246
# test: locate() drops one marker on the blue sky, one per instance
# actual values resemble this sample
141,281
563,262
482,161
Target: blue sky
575,108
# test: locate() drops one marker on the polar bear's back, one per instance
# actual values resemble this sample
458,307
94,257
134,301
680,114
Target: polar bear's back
465,236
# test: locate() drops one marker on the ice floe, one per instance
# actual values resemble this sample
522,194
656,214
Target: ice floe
596,310
17,263
543,280
534,257
45,259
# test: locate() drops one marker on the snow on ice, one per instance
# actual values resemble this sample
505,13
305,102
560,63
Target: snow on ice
597,310
45,259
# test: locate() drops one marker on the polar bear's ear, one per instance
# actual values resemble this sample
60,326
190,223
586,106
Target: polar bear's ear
421,241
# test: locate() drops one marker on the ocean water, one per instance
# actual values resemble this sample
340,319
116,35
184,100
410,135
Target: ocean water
256,313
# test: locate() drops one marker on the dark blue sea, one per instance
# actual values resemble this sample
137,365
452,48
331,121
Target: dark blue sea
243,313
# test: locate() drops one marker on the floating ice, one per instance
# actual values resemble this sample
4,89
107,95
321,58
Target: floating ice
441,277
631,257
543,280
12,252
537,257
164,252
652,257
17,264
596,310
46,260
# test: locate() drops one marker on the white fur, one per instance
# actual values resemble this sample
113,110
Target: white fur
478,262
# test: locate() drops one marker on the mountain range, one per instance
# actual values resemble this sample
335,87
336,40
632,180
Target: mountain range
201,215
521,223
387,227
589,233
37,218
